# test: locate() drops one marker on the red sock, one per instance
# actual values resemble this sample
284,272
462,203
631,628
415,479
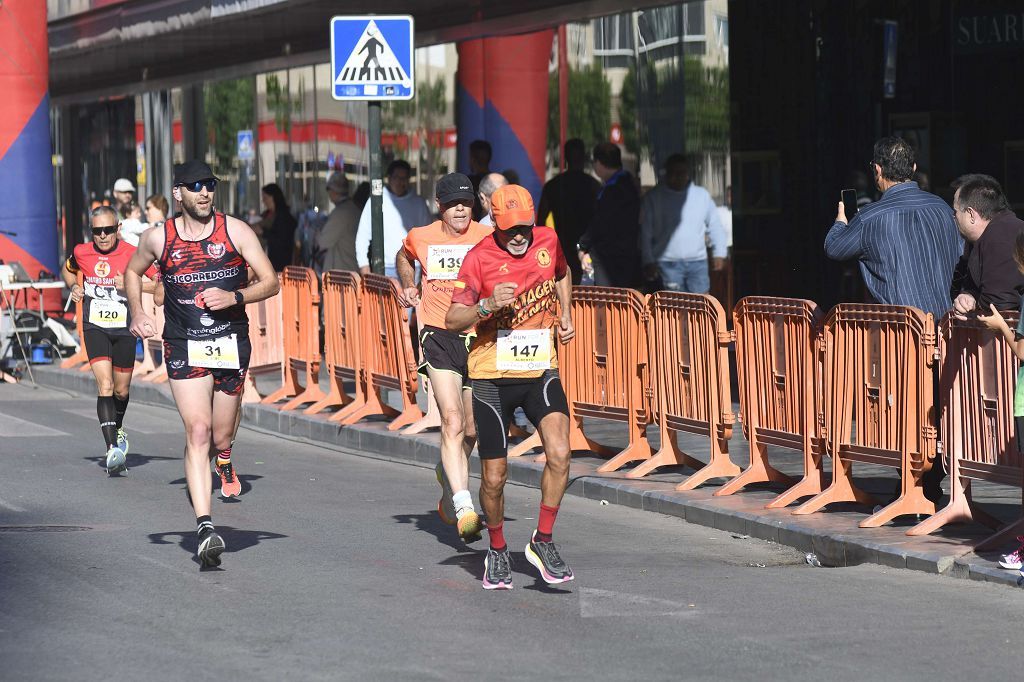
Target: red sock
546,522
497,534
224,456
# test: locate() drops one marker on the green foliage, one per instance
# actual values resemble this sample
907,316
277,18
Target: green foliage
228,108
590,104
422,115
281,104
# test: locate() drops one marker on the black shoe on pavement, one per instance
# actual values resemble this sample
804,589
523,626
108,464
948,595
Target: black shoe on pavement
545,557
497,570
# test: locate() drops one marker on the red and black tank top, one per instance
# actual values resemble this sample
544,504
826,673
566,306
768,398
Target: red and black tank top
105,305
191,267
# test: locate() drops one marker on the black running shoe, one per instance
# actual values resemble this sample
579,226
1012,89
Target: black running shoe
545,557
210,547
498,570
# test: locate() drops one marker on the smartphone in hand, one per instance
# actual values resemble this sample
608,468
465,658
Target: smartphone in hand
849,199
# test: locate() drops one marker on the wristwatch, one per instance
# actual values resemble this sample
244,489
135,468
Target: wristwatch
481,309
239,299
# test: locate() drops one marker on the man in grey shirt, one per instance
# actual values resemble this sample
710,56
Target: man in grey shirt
337,238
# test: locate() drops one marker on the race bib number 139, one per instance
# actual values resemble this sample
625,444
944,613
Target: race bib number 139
444,261
219,353
524,350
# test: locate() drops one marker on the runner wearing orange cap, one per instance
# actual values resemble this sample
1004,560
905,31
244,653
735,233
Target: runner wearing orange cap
440,248
516,287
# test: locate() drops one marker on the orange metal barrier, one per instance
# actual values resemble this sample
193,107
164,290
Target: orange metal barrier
604,370
690,371
879,387
266,336
79,356
778,363
387,358
300,309
342,349
977,379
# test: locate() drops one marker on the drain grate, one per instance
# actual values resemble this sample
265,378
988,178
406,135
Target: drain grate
42,529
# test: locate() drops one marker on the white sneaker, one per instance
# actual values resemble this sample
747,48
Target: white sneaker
115,460
1014,561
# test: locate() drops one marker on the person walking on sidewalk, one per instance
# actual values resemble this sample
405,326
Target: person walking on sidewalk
440,248
204,257
516,287
109,344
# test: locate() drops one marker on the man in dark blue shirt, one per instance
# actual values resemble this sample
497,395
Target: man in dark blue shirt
907,242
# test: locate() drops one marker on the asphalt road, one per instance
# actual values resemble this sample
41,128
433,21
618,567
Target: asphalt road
337,567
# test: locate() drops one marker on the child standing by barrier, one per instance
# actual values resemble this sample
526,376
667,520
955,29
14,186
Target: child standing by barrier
1015,559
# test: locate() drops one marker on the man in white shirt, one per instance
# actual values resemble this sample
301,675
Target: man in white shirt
402,209
488,185
676,219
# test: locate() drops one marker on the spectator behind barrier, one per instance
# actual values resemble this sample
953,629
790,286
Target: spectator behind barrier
569,198
613,236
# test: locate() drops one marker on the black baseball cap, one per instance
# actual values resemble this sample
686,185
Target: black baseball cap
455,186
191,171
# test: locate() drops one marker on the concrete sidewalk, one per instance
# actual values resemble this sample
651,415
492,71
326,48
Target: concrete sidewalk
833,536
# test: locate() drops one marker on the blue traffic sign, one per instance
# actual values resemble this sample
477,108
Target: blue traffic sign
246,148
372,57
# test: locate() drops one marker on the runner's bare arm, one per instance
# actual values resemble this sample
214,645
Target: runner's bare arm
151,244
563,289
71,282
461,317
409,295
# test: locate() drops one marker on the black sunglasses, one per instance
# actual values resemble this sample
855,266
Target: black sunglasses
110,229
198,185
524,230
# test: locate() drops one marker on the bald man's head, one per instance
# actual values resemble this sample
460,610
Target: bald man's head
488,185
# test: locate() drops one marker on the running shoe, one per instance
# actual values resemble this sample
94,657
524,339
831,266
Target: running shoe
210,547
122,441
469,525
445,506
115,461
497,570
544,556
230,486
1015,559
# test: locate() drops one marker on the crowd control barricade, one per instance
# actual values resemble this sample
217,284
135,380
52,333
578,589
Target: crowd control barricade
977,379
300,313
778,364
342,342
266,336
387,358
603,369
690,370
79,356
880,365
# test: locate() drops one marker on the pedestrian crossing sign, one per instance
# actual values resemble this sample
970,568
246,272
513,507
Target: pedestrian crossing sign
372,57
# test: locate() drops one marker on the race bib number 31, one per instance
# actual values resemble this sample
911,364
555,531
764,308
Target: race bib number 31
108,314
219,353
444,261
524,350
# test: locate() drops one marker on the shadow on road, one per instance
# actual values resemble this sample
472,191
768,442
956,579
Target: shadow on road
245,479
235,540
132,460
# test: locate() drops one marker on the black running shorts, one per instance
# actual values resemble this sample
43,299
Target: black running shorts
444,351
117,349
229,381
496,400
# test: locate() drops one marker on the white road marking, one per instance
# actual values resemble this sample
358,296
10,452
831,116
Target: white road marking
595,603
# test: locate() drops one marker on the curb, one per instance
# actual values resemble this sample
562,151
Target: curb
833,536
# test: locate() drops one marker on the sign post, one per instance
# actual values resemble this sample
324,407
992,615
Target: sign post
372,61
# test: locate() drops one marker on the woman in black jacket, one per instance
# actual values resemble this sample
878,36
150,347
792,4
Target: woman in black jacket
278,227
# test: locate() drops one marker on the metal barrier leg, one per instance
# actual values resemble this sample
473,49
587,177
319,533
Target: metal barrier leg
812,484
668,455
1003,536
719,466
431,420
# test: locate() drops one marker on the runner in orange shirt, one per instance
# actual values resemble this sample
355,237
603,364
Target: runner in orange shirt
439,248
516,287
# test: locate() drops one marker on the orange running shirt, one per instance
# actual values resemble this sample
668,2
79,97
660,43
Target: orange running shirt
440,253
512,343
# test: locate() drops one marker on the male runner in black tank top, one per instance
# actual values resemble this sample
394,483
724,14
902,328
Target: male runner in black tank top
203,257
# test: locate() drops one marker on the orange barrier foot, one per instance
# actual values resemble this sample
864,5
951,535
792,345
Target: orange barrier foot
348,409
959,510
841,490
411,414
332,399
716,468
669,455
431,420
758,472
912,501
808,485
312,394
516,431
527,446
638,450
1003,537
279,395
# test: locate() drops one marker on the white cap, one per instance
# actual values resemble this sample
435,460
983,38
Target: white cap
124,185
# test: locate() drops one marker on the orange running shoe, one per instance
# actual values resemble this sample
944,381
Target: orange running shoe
230,486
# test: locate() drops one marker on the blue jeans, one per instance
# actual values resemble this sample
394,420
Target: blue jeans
690,276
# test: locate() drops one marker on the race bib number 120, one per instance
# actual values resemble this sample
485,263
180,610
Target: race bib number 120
219,353
524,350
108,314
444,260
